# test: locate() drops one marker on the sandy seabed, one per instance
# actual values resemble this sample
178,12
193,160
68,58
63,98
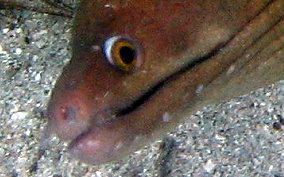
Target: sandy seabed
230,139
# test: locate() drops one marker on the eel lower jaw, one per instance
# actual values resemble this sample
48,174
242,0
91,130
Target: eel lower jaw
102,144
111,136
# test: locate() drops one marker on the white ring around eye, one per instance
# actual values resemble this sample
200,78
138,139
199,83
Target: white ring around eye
108,47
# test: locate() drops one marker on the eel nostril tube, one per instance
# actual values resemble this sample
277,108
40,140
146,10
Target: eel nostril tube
68,119
69,113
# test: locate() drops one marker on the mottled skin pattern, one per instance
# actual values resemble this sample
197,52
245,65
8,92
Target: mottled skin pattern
209,51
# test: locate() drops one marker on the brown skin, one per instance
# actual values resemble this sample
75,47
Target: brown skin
208,51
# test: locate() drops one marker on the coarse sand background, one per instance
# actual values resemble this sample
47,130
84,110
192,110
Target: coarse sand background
230,139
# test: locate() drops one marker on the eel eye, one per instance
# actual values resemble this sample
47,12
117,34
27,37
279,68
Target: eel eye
123,53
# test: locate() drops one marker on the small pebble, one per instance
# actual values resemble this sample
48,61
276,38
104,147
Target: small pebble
277,126
19,116
209,166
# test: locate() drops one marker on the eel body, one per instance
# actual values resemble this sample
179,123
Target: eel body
139,67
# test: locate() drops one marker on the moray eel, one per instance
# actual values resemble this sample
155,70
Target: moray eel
140,67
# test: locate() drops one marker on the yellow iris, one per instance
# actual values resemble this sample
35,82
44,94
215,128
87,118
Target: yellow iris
124,55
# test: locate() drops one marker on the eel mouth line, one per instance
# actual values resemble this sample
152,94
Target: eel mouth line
155,88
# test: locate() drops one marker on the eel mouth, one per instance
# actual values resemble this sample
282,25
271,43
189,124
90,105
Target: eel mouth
155,88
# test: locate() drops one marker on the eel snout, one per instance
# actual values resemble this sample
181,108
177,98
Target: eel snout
95,136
